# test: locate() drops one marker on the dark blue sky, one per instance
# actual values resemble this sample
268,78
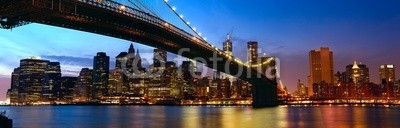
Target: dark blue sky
366,31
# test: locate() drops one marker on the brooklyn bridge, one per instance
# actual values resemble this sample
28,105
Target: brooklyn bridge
137,22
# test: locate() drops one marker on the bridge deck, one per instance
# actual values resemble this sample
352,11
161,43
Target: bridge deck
109,18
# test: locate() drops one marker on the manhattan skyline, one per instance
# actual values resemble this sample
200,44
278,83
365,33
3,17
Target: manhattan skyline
288,31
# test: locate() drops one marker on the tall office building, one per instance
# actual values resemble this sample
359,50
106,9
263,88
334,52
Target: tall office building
120,59
387,73
83,88
252,51
31,77
138,60
101,64
357,73
13,91
116,82
186,70
321,67
228,45
159,57
130,58
65,92
52,79
301,89
131,50
15,78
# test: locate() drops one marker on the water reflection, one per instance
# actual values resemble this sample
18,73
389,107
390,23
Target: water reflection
199,117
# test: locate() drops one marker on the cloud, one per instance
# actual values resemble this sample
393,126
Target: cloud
5,72
70,60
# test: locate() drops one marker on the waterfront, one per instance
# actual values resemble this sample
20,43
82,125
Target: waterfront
201,116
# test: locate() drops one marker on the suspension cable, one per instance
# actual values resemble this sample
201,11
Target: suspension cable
148,9
136,5
185,22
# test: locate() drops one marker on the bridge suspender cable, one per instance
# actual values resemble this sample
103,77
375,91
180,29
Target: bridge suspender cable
186,23
144,6
136,6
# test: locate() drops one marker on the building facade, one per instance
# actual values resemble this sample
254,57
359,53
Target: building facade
84,86
357,73
387,73
31,78
321,67
52,79
101,64
252,51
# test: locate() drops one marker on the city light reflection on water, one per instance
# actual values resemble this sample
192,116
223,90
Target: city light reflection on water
198,117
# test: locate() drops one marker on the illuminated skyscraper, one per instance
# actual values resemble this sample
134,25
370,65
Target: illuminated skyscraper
83,88
116,82
13,91
387,73
321,67
301,89
32,71
228,45
186,70
52,79
15,78
252,51
65,92
101,64
357,73
120,59
159,57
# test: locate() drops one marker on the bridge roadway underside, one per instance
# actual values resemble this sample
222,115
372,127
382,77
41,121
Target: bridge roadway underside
80,16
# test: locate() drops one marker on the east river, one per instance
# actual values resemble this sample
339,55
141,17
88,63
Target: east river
202,116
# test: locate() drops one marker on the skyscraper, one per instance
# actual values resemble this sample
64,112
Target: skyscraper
228,45
301,89
65,91
83,88
101,64
138,60
159,57
116,82
120,59
357,73
52,79
187,69
15,78
387,73
31,77
252,51
321,67
131,50
13,91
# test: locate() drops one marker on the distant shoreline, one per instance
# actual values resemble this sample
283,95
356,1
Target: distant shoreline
214,105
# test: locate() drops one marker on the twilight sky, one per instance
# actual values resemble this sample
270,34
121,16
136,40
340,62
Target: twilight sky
367,31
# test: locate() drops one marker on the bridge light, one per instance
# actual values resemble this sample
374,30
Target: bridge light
181,16
122,7
166,0
194,28
174,8
187,22
166,24
205,38
199,34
